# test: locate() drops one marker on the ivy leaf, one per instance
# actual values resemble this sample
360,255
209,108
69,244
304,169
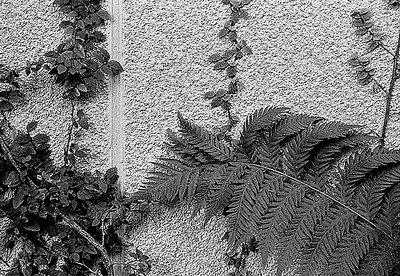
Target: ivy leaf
231,71
75,257
80,153
105,54
246,2
221,65
33,227
104,15
235,3
106,69
209,95
40,139
247,50
116,67
12,179
51,54
228,54
19,197
111,175
5,105
31,126
362,31
80,114
216,102
84,123
66,23
223,32
214,58
82,87
220,93
61,69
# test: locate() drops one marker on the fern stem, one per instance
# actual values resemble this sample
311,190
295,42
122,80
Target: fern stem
389,95
330,198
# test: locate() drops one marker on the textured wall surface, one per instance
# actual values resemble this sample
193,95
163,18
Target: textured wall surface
300,53
300,50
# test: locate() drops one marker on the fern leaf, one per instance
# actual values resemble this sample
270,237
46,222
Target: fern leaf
170,178
388,216
203,187
241,221
325,237
185,151
380,261
221,189
347,255
299,150
278,217
362,165
289,127
299,233
261,119
201,139
330,153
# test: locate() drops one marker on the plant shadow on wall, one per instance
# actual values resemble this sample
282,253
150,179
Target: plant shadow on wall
320,197
60,220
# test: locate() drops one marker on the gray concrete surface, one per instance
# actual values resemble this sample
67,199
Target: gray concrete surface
300,50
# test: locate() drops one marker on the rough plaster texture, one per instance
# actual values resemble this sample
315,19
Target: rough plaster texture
300,49
300,53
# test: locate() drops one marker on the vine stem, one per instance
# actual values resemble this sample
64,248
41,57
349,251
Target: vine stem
66,220
330,198
389,95
71,127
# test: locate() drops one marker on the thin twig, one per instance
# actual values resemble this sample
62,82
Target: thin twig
386,49
71,127
330,198
380,86
390,93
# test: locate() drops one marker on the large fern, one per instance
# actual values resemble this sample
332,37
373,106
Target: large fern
314,193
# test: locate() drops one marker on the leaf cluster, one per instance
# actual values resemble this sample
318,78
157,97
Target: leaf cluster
10,88
314,193
228,61
33,195
79,63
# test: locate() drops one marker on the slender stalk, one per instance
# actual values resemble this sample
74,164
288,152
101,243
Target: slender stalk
71,127
389,95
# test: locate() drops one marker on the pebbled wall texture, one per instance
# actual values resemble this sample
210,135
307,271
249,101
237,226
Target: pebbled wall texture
300,52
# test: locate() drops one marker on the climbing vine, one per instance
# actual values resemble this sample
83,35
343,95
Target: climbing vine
61,220
228,61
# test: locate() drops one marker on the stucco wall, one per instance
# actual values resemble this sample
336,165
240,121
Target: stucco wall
300,49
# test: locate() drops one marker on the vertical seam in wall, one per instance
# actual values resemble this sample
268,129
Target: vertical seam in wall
117,93
117,125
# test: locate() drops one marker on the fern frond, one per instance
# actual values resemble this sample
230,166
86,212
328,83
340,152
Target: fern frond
221,188
388,217
326,236
347,255
278,217
329,153
184,150
299,233
170,178
241,220
261,119
289,127
380,261
361,166
201,139
299,150
203,187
